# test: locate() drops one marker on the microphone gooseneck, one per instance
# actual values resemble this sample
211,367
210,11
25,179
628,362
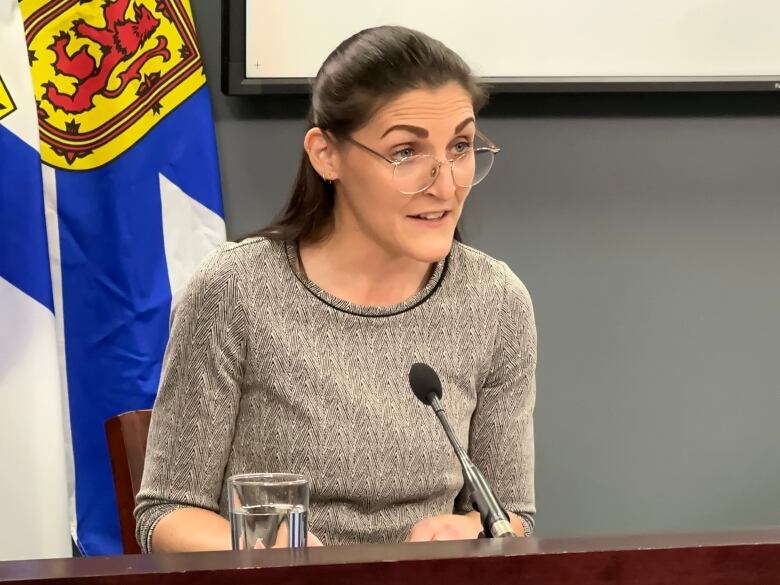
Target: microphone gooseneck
427,388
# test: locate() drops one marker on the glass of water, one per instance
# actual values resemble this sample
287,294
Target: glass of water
268,510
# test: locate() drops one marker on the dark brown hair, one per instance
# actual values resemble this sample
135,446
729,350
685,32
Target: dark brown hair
364,72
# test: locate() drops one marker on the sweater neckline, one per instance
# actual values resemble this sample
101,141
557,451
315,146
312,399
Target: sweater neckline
435,280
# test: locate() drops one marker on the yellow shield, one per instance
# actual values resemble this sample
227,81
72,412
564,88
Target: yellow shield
105,73
6,102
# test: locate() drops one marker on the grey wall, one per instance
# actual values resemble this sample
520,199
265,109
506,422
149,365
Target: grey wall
648,233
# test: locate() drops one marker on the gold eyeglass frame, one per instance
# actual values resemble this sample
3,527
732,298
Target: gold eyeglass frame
491,147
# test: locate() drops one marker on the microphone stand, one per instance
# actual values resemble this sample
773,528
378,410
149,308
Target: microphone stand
495,520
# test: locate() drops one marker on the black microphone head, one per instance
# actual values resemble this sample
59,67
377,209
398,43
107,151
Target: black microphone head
424,381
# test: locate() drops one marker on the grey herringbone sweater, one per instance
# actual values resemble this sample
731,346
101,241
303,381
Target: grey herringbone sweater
265,371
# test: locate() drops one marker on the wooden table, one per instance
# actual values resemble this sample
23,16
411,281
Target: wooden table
728,558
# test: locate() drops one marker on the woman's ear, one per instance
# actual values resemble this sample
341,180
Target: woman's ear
322,152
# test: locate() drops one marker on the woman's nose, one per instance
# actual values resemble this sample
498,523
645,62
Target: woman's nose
443,185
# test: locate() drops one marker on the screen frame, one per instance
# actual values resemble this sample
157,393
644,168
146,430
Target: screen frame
235,82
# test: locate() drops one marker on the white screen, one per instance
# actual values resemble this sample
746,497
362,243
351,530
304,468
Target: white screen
532,38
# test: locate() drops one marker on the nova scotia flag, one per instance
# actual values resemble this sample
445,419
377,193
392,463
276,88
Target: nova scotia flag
131,179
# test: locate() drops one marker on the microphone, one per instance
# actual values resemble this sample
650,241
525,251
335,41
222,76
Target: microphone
426,386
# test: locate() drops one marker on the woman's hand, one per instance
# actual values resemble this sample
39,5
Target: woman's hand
281,541
446,527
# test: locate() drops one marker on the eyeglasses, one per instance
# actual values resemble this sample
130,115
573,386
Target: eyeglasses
416,173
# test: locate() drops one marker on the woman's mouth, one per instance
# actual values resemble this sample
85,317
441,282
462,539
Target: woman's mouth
431,219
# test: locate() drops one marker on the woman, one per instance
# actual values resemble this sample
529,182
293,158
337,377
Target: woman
290,351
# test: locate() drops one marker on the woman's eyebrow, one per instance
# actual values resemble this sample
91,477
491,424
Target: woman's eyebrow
422,132
416,130
463,124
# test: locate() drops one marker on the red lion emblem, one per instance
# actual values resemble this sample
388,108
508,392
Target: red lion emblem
120,41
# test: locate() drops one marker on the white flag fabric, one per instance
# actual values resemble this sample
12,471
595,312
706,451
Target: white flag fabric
34,505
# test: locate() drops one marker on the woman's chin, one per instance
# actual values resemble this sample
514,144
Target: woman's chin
430,250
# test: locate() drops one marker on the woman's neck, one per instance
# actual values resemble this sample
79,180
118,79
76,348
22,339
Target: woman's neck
359,270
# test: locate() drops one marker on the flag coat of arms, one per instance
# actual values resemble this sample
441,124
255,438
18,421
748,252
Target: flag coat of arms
130,172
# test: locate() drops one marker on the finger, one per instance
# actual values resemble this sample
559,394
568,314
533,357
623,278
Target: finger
447,532
282,536
421,532
312,540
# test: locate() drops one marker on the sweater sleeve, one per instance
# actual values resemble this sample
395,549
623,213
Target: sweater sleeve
194,415
501,437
